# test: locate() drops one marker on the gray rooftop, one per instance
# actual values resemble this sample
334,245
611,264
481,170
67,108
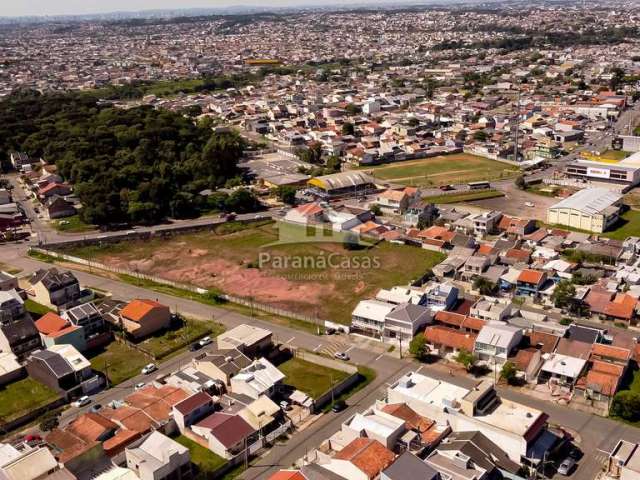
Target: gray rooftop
591,201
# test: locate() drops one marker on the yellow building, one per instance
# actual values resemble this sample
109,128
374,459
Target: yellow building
591,209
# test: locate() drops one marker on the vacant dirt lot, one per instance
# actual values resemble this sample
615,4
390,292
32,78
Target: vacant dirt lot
319,278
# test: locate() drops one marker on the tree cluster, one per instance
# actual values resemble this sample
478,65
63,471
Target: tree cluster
138,165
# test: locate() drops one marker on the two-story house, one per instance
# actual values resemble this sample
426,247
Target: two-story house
496,341
530,283
55,289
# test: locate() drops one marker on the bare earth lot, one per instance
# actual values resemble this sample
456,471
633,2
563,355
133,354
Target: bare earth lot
443,170
228,261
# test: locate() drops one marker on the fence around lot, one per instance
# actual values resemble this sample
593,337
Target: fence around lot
247,302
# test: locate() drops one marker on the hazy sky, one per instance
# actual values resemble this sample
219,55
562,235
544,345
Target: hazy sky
12,8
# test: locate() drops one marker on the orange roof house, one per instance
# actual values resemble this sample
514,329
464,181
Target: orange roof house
449,339
287,475
142,317
368,456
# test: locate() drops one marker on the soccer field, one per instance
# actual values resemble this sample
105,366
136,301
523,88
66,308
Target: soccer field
443,170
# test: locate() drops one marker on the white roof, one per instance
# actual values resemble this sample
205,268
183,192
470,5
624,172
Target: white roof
157,449
34,463
6,295
373,309
244,335
72,356
260,376
497,334
558,265
8,363
429,390
590,201
564,365
511,417
399,295
117,473
377,424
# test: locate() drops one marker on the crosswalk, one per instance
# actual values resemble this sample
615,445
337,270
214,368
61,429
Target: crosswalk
601,457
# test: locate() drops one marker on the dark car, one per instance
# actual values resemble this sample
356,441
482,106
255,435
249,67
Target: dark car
338,406
96,407
194,347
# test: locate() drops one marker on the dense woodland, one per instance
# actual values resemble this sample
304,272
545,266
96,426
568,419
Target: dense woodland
138,165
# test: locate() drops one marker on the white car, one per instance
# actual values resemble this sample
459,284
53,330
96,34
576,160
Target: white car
138,386
81,402
341,356
530,204
149,369
205,341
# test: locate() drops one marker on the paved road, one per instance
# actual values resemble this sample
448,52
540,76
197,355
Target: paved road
597,434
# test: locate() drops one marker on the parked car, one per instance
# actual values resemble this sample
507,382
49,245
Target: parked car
341,356
338,406
446,188
81,402
284,405
566,466
205,341
330,331
530,204
96,407
194,347
149,369
138,386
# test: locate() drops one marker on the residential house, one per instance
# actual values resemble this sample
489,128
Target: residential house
192,409
158,457
440,296
428,432
65,370
369,317
8,281
30,463
92,323
408,466
55,330
624,461
10,368
530,283
309,213
376,425
613,306
475,266
443,340
496,341
53,189
405,321
491,309
393,201
221,365
11,306
259,378
57,207
486,223
227,435
253,341
420,212
20,337
143,317
54,289
561,369
362,459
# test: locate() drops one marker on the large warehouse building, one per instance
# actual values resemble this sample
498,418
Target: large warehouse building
350,183
591,209
619,175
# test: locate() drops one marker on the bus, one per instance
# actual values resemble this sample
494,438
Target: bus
479,185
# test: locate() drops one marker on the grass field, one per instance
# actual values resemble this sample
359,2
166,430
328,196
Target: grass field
9,269
443,170
119,362
174,341
464,197
205,461
20,397
310,378
36,309
72,225
328,282
627,226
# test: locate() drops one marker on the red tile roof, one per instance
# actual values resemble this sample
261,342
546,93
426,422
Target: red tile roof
51,323
287,475
228,429
609,351
369,456
90,426
531,276
448,337
189,404
137,309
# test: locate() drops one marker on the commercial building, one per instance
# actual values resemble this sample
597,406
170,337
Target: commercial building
592,209
618,175
351,183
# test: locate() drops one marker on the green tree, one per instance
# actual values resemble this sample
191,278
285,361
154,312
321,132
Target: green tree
418,347
242,201
287,194
520,182
352,109
375,209
50,421
484,286
626,405
465,358
480,136
334,164
563,294
348,128
509,372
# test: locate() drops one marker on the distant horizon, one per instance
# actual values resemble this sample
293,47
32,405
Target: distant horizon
64,8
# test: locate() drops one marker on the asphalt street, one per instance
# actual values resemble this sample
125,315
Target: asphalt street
596,434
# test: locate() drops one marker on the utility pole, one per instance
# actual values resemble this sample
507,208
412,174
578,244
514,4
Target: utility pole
106,372
515,147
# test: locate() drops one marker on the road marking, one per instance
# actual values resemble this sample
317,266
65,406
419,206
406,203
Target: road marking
379,357
290,340
317,348
421,367
349,349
